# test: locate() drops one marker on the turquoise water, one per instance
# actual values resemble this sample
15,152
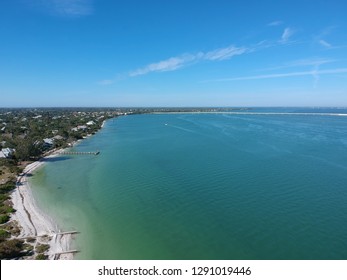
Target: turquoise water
205,186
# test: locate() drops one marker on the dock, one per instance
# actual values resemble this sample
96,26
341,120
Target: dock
67,232
58,233
56,256
80,153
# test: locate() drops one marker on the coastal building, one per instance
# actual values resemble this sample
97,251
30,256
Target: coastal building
58,137
82,127
90,123
48,142
7,153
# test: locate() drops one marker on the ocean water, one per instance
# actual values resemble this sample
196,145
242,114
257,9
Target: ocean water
206,186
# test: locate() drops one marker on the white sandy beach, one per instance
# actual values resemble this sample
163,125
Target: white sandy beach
33,221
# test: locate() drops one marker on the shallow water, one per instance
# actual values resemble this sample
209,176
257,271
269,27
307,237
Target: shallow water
205,186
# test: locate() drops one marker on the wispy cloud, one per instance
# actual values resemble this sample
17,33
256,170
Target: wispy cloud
171,64
302,63
275,23
110,81
106,82
64,8
324,44
287,33
310,62
223,54
178,62
284,75
322,41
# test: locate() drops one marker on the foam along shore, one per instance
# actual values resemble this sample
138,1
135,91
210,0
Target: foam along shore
33,221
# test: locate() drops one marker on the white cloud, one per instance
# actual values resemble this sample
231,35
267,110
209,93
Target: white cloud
178,62
301,63
287,33
170,64
325,44
316,62
225,53
313,73
275,23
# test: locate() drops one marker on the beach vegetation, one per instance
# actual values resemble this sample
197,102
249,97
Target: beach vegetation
12,227
4,197
12,248
7,170
30,239
7,187
26,149
41,248
4,234
41,257
4,218
6,209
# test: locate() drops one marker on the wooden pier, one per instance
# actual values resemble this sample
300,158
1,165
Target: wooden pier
67,232
56,256
80,153
68,252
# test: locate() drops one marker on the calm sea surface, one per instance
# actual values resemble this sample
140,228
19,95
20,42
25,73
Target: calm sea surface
205,186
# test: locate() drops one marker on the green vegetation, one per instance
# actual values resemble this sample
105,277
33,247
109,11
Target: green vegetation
7,187
11,249
3,197
41,248
30,240
32,132
4,234
11,227
4,218
41,257
6,209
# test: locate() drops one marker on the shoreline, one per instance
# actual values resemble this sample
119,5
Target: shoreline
33,222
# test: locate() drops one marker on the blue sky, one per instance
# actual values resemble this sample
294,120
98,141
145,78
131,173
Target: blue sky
173,53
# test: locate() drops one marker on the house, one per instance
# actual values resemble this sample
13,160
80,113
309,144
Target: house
48,142
83,127
7,153
58,137
90,123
